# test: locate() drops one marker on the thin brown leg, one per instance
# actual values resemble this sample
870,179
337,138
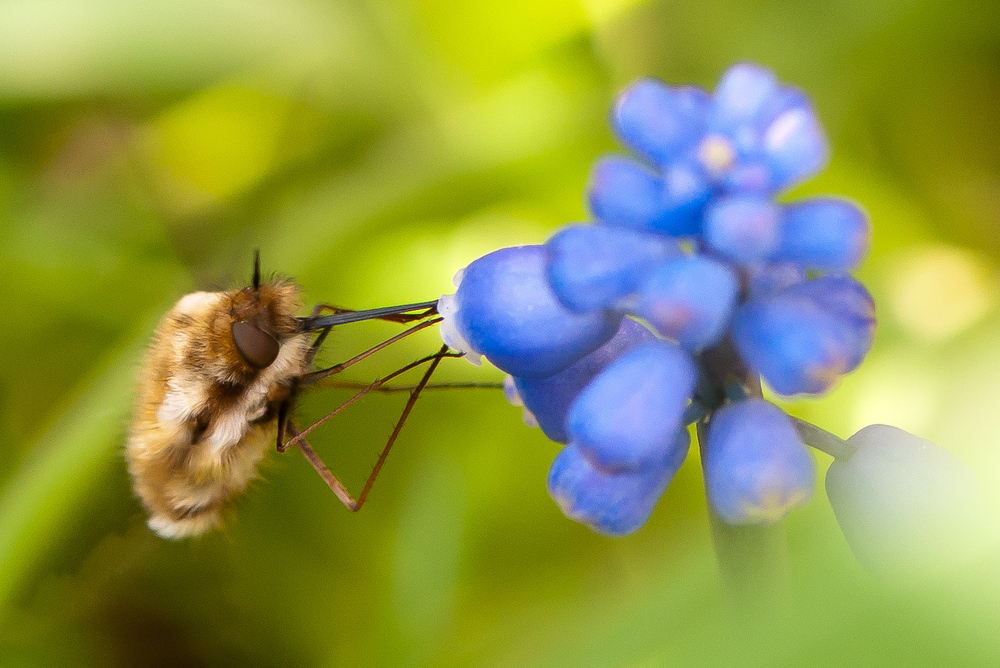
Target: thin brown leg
283,423
399,427
391,389
331,480
373,386
314,348
298,438
308,378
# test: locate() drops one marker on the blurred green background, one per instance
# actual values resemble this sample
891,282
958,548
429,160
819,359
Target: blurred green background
370,149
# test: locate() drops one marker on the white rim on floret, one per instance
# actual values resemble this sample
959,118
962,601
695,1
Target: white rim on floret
510,392
447,307
784,127
514,399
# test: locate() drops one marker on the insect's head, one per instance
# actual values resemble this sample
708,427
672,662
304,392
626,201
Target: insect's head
262,314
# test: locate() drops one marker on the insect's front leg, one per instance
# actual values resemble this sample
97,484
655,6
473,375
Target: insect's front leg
284,410
309,378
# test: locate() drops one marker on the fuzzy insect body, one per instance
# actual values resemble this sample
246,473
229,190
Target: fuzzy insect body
220,368
218,387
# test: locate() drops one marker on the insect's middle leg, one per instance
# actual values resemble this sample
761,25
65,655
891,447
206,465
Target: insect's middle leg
299,440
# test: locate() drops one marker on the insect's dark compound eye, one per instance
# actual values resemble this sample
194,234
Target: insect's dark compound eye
256,346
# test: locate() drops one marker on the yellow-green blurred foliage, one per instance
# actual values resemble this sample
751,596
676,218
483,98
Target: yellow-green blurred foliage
371,148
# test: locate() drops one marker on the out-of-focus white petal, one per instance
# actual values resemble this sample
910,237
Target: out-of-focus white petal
906,505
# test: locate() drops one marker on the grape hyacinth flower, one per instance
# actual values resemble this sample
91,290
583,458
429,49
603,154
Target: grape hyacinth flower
691,284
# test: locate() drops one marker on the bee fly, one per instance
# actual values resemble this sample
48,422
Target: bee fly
218,385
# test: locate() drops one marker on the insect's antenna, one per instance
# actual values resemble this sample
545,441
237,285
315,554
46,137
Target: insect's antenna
256,269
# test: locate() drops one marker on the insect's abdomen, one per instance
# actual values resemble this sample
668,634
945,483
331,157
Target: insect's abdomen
185,485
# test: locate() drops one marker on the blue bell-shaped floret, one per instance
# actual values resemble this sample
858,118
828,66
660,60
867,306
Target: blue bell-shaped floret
744,228
628,414
548,399
804,338
597,266
659,121
756,467
614,503
690,299
823,233
505,309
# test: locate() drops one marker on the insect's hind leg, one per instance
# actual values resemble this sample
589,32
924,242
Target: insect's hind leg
324,472
298,438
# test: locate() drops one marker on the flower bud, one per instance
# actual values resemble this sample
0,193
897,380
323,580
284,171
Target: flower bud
824,233
597,266
744,228
657,120
548,399
689,299
904,503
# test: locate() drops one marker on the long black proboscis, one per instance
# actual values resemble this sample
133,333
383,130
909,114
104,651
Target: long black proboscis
319,322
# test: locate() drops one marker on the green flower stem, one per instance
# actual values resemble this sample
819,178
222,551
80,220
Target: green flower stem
752,559
823,440
752,562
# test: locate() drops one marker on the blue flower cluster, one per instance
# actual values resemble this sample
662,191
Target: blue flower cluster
732,284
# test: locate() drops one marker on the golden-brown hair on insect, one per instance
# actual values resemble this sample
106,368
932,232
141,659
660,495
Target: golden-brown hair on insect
217,388
219,368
